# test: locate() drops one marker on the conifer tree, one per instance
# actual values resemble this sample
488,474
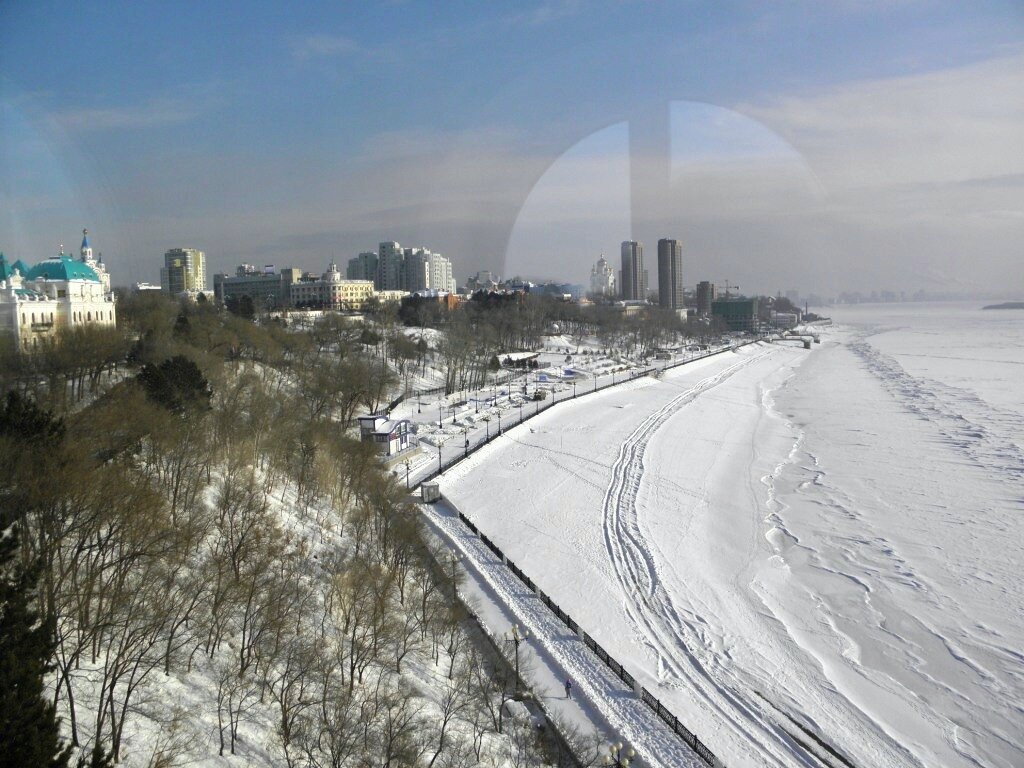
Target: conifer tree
176,383
29,730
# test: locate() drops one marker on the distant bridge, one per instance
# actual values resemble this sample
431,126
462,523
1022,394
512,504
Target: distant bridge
806,339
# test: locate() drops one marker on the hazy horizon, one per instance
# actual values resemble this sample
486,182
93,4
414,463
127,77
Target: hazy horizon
818,148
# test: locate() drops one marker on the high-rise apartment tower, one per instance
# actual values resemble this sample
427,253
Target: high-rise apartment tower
706,293
184,271
634,276
670,274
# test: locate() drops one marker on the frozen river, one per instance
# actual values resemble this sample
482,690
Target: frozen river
810,557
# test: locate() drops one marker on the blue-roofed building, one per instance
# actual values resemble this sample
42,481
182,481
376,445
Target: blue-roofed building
62,268
59,292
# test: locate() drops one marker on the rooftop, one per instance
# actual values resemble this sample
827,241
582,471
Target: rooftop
62,267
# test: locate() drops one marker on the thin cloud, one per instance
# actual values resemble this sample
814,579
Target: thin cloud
151,114
959,124
324,46
547,12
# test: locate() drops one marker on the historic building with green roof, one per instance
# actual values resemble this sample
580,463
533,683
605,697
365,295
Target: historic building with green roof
59,292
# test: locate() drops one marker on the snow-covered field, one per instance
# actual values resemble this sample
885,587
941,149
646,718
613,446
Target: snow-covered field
800,553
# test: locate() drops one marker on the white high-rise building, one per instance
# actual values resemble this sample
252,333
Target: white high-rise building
441,275
427,271
412,269
417,269
390,267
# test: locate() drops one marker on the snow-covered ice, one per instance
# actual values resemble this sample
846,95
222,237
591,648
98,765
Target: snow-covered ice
799,552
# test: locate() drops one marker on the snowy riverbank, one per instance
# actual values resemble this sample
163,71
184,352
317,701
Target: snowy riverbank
775,604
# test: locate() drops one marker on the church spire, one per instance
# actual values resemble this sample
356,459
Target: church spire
86,252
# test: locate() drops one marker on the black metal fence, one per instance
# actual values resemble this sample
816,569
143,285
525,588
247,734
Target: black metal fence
565,753
645,696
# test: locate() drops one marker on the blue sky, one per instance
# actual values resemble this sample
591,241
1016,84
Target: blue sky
292,135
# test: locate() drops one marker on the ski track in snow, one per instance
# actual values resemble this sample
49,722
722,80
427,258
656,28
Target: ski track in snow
652,609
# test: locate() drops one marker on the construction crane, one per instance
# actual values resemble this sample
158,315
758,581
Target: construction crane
729,285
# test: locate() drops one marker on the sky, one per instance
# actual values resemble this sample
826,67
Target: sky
846,145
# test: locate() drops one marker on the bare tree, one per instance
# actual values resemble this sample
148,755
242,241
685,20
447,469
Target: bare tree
453,702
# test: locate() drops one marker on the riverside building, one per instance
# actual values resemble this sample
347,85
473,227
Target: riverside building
738,314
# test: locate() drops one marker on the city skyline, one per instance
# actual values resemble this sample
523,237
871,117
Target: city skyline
835,148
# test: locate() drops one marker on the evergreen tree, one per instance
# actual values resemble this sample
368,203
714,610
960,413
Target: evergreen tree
176,383
182,326
29,730
241,306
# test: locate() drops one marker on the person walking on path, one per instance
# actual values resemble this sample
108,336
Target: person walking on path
568,688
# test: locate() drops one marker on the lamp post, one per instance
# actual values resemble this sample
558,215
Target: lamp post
518,636
574,389
455,576
439,458
406,462
499,422
619,754
465,434
487,427
440,416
